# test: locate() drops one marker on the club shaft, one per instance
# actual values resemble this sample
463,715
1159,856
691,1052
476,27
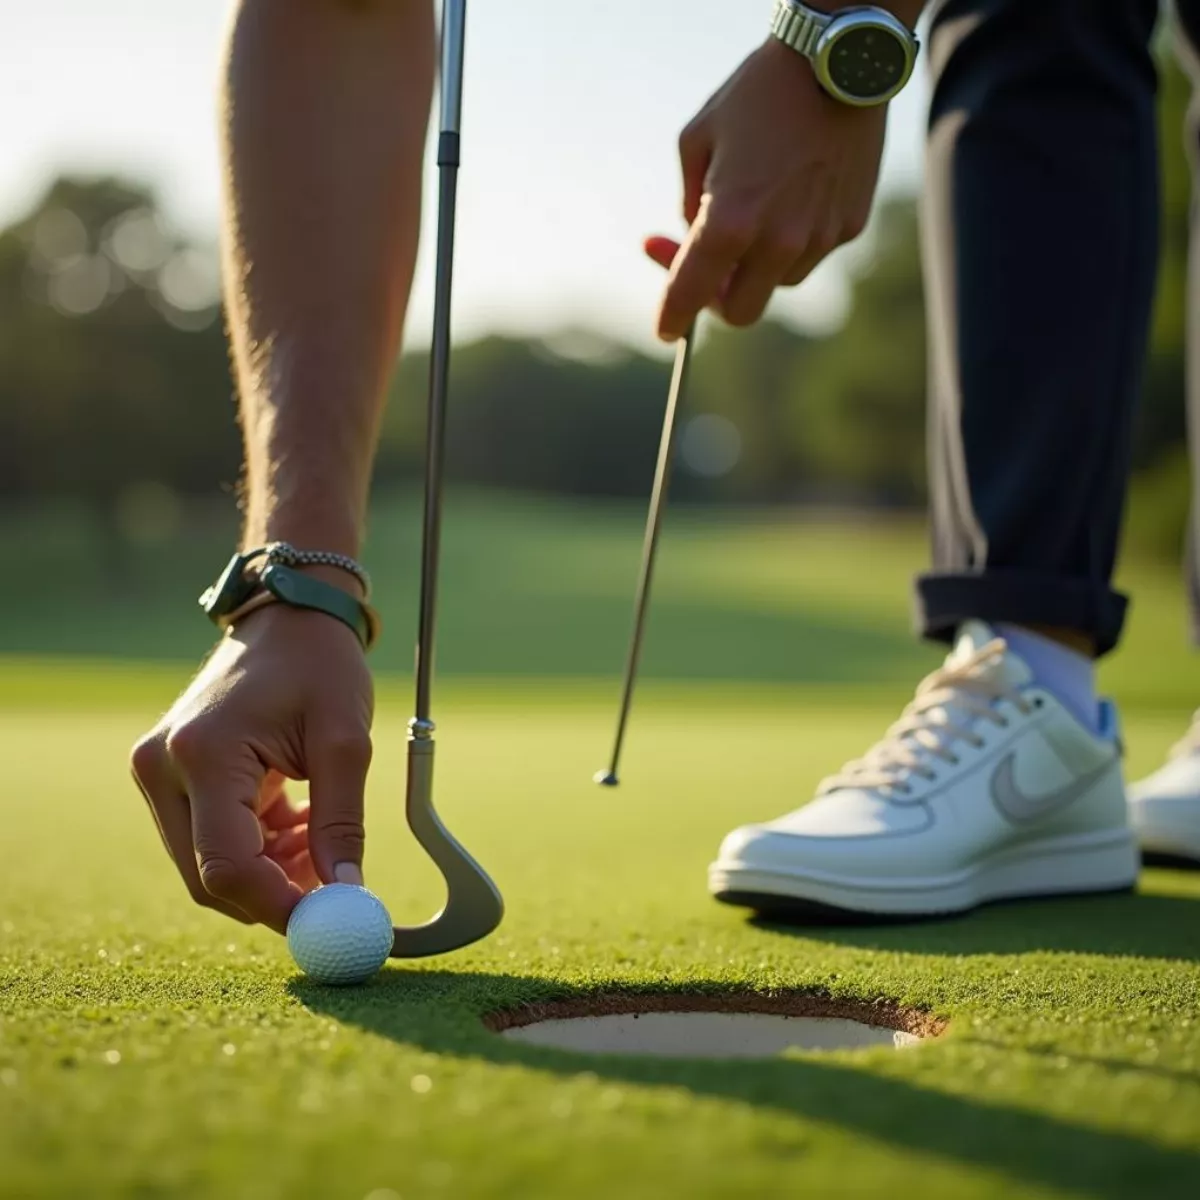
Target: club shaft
658,500
453,45
454,37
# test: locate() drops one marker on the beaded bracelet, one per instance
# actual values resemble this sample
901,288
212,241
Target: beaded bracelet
285,554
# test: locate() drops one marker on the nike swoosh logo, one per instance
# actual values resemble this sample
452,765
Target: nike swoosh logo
1019,807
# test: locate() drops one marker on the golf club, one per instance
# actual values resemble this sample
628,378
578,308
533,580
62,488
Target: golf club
473,904
658,500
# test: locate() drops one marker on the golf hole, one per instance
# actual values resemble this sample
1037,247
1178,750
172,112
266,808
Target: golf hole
719,1026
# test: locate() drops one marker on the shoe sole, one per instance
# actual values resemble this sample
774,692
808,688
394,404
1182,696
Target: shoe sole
1168,844
1101,862
1170,858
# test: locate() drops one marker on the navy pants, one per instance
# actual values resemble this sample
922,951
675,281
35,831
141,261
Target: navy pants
1040,240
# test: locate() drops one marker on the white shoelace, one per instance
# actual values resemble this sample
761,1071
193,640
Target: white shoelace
947,704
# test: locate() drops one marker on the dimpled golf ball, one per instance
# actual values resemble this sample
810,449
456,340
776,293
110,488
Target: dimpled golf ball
340,934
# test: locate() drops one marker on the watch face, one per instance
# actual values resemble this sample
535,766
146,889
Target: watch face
867,62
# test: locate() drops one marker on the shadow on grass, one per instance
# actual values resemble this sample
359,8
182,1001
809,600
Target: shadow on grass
1126,924
442,1012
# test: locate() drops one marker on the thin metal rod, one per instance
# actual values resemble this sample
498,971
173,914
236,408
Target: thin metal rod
474,906
454,40
658,499
454,15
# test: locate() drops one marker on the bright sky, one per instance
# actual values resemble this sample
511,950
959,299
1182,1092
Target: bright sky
571,116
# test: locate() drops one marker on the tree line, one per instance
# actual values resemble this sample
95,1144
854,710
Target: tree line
114,374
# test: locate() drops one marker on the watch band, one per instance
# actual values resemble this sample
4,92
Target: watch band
257,601
303,591
798,26
289,556
240,591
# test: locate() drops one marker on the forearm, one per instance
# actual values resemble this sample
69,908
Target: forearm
324,114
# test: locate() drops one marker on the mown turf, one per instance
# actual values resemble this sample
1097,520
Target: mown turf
542,590
1072,1067
148,1049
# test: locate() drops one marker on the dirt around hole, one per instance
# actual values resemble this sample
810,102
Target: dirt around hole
880,1013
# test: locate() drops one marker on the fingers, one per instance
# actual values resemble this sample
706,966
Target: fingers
753,284
695,155
771,264
223,787
283,847
301,872
285,831
717,241
231,859
275,810
661,250
338,763
242,848
169,805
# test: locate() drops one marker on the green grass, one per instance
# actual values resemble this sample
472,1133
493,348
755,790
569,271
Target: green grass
1072,1064
543,589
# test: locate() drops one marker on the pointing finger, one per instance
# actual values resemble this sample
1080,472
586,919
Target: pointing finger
718,239
661,250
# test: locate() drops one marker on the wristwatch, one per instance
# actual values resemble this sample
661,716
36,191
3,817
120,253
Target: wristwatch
860,56
267,575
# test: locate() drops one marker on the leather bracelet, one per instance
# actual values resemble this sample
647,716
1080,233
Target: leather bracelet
302,591
287,555
282,585
244,586
257,601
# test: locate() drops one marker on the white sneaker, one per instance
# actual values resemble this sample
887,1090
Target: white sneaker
1165,807
985,788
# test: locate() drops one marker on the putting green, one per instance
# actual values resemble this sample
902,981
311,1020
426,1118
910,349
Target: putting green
150,1049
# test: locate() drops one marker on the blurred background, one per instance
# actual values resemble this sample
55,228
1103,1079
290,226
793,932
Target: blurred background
798,513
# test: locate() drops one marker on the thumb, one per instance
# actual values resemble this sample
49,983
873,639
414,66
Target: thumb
661,250
337,776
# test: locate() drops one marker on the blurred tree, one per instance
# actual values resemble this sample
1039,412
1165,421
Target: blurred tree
114,381
113,368
574,415
857,404
743,376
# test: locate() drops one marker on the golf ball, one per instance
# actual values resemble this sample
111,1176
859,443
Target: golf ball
340,934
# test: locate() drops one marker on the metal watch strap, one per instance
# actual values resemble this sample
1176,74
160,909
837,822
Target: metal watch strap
798,27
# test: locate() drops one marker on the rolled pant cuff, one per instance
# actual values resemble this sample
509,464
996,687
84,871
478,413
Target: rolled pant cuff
945,601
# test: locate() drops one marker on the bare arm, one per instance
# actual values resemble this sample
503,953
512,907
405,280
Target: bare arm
324,112
324,117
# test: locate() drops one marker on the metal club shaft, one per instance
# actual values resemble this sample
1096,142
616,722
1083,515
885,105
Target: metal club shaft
454,15
473,904
658,500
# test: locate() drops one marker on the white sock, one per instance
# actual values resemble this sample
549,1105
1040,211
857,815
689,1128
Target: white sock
1067,674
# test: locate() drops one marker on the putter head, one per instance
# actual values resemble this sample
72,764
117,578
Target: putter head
606,778
474,906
